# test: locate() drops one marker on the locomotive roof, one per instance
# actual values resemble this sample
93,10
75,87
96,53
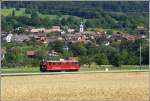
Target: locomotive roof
62,61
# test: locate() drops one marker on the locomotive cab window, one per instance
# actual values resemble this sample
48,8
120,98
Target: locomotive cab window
58,63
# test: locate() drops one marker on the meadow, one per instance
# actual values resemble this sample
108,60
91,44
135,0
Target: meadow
21,12
83,68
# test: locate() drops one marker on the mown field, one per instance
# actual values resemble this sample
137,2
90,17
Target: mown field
83,68
121,86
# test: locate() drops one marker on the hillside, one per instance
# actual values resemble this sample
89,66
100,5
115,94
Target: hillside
124,16
72,6
112,32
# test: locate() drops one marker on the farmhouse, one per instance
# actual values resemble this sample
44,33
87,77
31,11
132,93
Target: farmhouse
30,53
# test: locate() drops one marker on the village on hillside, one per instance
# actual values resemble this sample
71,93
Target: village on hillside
56,33
40,34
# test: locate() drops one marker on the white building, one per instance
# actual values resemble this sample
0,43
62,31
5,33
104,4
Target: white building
109,36
70,30
63,32
9,37
107,44
81,27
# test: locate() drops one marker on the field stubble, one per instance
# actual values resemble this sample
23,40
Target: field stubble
77,86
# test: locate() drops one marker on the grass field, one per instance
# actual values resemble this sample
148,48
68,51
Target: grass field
8,12
21,12
121,86
83,68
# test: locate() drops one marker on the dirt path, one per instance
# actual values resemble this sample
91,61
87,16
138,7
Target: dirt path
77,86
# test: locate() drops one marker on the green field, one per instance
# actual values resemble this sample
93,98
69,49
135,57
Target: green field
20,70
21,12
83,68
8,12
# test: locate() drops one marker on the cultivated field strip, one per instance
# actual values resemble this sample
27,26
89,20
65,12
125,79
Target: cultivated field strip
117,86
80,72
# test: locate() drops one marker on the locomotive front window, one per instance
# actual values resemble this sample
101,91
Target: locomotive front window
67,63
76,62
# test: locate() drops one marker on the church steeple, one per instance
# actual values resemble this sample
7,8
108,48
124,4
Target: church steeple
81,27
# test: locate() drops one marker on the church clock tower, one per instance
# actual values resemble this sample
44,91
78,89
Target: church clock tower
81,27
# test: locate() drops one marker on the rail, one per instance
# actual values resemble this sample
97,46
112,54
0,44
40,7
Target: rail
80,72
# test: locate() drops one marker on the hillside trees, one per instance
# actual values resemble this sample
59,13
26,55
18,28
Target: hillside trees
13,13
78,49
86,53
86,60
16,54
101,59
118,15
113,56
145,55
56,46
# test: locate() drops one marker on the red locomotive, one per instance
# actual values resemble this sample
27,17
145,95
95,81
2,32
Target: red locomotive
61,65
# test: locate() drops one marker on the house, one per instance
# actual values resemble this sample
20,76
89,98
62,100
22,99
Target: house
62,33
123,36
30,53
107,43
36,30
4,35
141,29
109,36
9,37
48,30
21,38
85,36
43,38
55,29
53,55
39,37
70,30
52,29
140,37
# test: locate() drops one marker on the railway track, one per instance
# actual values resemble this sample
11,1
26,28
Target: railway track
79,72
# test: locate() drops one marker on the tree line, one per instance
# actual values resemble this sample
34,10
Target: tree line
67,7
116,54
